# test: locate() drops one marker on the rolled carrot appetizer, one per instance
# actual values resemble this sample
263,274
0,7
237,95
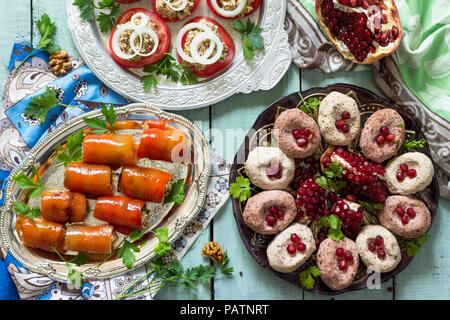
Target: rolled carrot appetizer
161,141
120,211
41,234
89,239
88,178
143,183
63,206
109,148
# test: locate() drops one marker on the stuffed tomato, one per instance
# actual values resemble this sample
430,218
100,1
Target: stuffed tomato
205,47
142,183
120,211
162,141
109,148
174,10
88,178
63,206
126,1
89,239
41,234
139,38
233,9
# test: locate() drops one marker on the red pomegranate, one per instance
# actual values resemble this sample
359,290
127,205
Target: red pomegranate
363,31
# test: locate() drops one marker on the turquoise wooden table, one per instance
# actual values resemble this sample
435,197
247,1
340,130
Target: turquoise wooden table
427,277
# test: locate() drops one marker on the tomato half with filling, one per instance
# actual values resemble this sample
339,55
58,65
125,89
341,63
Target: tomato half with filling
162,32
126,1
191,11
217,66
256,4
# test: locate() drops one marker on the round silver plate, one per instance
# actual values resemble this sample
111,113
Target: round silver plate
195,195
262,73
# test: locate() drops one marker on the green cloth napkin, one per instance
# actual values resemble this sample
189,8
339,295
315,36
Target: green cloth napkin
423,55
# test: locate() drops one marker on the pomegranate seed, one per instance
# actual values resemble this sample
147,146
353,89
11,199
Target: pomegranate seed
358,216
271,220
390,138
295,238
274,209
305,132
280,215
350,197
400,177
394,33
340,252
301,246
381,253
405,219
412,173
379,241
411,213
348,257
372,246
345,115
332,197
400,211
380,139
291,248
342,265
297,135
339,123
404,167
302,142
345,128
384,130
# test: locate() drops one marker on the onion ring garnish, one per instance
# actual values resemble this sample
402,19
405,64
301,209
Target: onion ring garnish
206,34
229,13
174,5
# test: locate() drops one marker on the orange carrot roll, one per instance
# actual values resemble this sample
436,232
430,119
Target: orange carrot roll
143,183
89,239
42,234
163,142
63,206
120,210
88,178
109,148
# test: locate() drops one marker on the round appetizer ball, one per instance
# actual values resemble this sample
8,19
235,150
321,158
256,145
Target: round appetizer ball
269,212
383,135
378,248
269,168
297,133
339,119
338,262
151,38
409,173
205,47
405,216
227,9
173,11
291,248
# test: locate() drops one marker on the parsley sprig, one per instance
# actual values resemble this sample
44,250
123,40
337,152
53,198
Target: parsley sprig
413,245
311,106
412,145
33,185
251,38
47,30
334,224
241,189
168,67
307,276
370,206
71,151
24,210
39,106
176,193
106,21
75,277
100,126
331,179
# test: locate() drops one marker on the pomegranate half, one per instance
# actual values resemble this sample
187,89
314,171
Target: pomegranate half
363,31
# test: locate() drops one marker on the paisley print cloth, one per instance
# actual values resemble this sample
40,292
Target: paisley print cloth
416,78
18,134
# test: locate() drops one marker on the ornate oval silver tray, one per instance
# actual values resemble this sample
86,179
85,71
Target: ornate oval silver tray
262,73
196,179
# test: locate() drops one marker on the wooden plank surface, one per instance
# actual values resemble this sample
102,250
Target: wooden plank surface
225,124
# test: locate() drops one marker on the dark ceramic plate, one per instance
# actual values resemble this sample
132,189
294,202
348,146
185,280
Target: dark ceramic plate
259,134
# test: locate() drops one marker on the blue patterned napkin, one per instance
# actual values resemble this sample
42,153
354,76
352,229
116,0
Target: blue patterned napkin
18,134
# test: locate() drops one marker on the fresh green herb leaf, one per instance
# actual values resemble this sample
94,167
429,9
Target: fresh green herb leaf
170,69
307,276
322,182
310,106
176,193
334,224
412,145
71,152
100,126
251,38
24,210
223,267
75,277
334,171
135,235
371,206
163,246
106,20
241,189
400,125
33,185
79,259
413,245
126,252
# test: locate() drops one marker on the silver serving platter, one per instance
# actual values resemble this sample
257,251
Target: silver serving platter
176,221
243,76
